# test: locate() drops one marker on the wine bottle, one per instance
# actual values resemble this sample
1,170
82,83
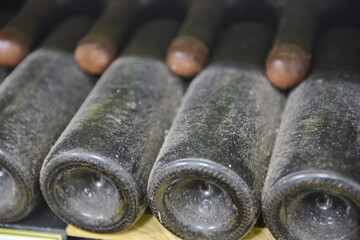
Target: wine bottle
312,190
37,100
95,176
207,179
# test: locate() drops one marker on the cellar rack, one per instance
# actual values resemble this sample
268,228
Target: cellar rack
44,225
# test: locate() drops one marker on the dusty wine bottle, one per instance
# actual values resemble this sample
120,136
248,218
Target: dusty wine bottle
37,100
312,190
95,176
207,179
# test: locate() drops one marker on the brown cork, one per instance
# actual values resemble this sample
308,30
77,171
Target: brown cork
187,56
94,53
287,64
14,46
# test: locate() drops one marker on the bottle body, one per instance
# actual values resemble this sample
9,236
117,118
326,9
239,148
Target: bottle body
312,189
207,179
95,176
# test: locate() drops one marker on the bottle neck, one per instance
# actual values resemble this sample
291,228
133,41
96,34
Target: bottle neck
67,34
152,39
298,24
338,50
245,44
198,24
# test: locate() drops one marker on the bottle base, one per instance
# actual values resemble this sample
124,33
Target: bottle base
20,195
313,205
91,192
201,199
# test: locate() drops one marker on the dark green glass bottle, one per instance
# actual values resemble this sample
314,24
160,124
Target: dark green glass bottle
95,176
37,100
207,179
312,190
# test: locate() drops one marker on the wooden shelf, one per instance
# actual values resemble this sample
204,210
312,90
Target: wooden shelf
150,229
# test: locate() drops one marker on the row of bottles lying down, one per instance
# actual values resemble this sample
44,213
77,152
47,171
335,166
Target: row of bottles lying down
287,63
207,180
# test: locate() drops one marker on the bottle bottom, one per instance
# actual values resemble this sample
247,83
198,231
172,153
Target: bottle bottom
315,214
91,192
313,206
203,205
89,196
11,194
200,199
20,194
